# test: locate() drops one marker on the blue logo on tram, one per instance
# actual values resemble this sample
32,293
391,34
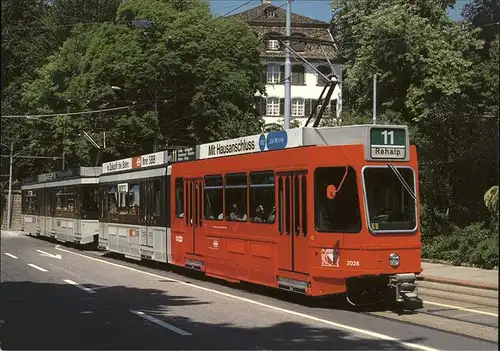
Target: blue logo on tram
262,142
277,140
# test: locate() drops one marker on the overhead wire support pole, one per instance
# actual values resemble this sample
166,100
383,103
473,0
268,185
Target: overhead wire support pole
375,98
9,199
288,68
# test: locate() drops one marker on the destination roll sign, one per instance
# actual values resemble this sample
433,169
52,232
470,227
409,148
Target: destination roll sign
388,143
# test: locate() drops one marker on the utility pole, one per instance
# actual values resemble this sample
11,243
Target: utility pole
375,98
9,199
288,67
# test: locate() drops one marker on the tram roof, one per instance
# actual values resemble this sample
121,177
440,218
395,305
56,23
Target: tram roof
393,145
72,173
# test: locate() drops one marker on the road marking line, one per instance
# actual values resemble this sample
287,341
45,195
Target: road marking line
461,308
89,290
36,267
10,255
160,323
49,255
298,314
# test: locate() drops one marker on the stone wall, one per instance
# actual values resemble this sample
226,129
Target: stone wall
16,209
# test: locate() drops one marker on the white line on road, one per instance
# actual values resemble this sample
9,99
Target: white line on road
49,255
36,267
89,290
10,255
461,308
298,314
160,323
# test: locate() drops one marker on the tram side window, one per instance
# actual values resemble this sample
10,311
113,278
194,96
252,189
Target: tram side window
339,213
179,198
236,197
112,200
65,200
262,197
156,206
29,202
127,196
213,197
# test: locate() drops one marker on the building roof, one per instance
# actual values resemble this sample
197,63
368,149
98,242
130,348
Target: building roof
258,16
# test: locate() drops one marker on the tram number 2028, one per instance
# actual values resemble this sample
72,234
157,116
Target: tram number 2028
353,263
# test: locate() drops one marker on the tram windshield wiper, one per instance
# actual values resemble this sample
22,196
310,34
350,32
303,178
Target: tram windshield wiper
402,180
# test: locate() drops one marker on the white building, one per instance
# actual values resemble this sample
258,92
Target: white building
267,19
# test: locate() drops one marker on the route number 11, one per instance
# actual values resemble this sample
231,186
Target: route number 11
387,134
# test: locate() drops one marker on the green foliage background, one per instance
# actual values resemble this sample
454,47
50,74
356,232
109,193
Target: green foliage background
191,78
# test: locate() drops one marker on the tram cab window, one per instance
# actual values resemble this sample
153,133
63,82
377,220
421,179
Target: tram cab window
112,200
236,197
179,198
341,213
262,197
390,206
213,198
90,199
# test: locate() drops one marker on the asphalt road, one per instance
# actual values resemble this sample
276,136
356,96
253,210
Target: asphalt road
62,298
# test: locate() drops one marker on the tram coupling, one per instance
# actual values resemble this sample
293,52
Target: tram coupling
405,291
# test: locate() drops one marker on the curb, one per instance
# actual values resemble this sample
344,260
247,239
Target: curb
449,281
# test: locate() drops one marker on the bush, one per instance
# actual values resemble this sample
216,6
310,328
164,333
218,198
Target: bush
475,245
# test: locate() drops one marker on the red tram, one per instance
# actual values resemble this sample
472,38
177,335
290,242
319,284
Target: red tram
316,211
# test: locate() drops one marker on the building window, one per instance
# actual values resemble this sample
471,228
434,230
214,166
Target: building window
273,106
298,74
326,70
298,107
273,44
273,73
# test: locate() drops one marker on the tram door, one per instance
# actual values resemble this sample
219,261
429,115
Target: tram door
193,216
292,221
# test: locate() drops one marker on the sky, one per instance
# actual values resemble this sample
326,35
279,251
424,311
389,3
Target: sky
317,9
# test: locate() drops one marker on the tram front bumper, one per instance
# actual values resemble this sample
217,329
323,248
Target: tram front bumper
405,290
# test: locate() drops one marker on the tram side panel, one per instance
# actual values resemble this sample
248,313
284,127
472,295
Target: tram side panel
133,214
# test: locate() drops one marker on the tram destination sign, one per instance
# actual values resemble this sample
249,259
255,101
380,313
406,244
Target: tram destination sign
278,140
388,143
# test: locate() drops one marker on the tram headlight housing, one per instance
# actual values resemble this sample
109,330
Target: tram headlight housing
394,259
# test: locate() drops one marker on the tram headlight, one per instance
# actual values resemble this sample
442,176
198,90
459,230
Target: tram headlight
394,259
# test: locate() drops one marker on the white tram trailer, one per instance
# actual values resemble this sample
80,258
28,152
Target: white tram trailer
135,207
63,205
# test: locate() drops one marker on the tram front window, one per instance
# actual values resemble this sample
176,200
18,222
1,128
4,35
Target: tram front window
391,205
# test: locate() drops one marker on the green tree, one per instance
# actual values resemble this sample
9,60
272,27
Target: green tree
189,78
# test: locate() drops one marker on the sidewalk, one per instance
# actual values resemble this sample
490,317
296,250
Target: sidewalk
464,276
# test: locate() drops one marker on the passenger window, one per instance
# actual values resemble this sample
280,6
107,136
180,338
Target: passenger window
236,197
156,198
341,213
214,198
262,198
179,198
112,200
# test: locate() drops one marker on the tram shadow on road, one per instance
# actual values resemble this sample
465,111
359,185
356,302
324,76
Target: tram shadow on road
336,302
330,302
60,316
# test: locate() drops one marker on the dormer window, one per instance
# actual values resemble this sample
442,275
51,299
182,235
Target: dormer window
270,12
272,44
